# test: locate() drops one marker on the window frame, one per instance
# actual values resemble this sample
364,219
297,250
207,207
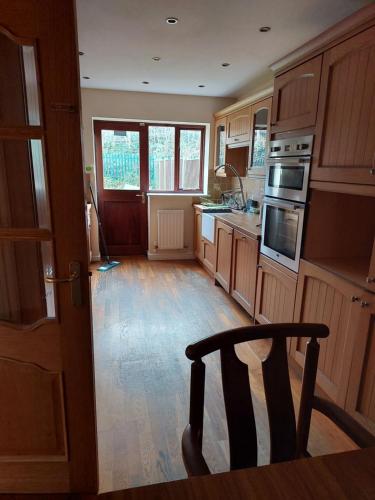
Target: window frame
178,128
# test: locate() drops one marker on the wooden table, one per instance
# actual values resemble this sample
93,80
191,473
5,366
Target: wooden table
342,476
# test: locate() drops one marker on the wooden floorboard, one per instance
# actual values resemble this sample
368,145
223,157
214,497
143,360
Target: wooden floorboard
145,313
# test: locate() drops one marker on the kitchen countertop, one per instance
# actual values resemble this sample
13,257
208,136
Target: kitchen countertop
246,223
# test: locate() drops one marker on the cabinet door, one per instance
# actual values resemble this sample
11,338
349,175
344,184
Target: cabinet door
325,298
209,255
360,401
244,270
260,120
345,134
276,290
198,240
224,236
220,140
238,124
295,98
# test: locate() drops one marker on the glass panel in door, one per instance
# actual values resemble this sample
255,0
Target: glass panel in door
121,159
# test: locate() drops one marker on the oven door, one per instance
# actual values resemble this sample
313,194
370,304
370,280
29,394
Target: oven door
288,178
282,227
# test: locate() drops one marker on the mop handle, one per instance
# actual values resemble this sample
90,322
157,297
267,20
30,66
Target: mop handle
100,227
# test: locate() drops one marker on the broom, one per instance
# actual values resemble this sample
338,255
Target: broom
108,262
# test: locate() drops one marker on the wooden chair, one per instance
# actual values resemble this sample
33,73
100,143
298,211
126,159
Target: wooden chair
287,442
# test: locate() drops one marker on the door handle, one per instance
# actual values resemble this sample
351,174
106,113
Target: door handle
74,279
143,196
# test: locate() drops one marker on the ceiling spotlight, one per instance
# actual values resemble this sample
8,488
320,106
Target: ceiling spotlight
81,53
86,77
145,83
201,86
172,20
225,65
156,58
264,29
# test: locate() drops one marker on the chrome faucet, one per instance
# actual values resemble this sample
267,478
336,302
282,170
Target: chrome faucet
235,171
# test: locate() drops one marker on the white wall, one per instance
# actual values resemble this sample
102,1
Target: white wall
147,106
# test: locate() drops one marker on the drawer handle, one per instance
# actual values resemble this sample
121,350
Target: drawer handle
370,279
355,298
364,303
259,266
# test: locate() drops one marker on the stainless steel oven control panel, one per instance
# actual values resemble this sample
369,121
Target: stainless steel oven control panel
294,146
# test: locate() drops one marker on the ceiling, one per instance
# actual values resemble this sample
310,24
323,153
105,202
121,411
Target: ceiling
120,37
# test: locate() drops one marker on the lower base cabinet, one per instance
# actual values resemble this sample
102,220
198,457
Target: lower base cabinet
275,292
323,297
208,256
244,270
223,238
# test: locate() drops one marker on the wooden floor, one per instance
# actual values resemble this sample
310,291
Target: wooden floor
145,313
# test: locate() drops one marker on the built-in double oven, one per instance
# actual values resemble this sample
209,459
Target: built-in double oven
286,189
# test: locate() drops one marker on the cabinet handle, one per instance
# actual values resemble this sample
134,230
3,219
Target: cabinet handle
355,298
243,237
370,279
372,170
259,266
364,303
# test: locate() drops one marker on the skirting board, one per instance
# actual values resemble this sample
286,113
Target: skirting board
170,255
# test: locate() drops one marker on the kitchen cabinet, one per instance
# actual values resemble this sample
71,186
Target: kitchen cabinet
209,256
345,132
224,238
323,297
360,400
275,292
260,123
295,98
220,140
238,126
244,270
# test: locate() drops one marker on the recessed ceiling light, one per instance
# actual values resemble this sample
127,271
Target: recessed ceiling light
81,53
145,83
201,86
264,29
156,58
86,77
225,65
172,20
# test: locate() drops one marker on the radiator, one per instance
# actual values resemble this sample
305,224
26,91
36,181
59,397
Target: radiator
170,229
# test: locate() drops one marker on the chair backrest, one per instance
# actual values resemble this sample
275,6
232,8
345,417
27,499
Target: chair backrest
237,394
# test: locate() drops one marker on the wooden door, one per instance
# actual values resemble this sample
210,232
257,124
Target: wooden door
244,270
275,294
260,120
47,417
238,126
220,140
209,256
325,298
295,98
360,400
198,240
345,134
122,180
224,237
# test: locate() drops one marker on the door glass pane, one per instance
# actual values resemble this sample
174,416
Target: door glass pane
121,159
24,296
220,141
190,159
161,146
259,139
281,230
19,102
23,190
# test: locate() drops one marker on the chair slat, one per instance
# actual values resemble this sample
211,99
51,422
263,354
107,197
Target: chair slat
279,401
239,410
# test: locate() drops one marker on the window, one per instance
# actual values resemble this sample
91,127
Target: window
175,158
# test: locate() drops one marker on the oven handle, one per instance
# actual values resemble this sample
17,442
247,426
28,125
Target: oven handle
289,162
284,204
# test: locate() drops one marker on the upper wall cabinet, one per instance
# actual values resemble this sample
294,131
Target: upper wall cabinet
295,98
345,133
238,126
220,140
260,133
